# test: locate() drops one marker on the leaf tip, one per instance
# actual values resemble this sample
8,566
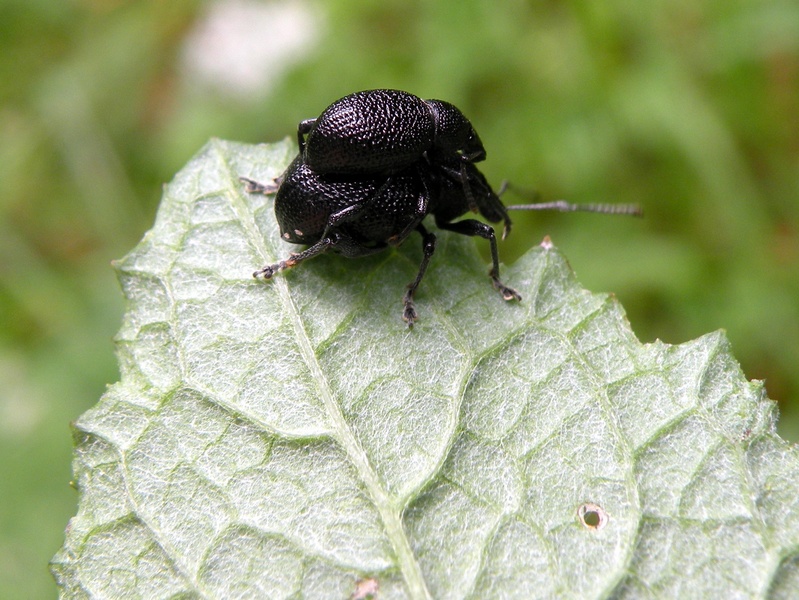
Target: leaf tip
365,589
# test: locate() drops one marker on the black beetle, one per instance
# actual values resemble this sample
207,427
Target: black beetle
372,167
384,131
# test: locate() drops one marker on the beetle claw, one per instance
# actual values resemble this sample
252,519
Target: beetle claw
267,272
409,315
508,293
254,187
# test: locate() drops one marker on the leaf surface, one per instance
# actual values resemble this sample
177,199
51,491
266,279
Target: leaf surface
293,438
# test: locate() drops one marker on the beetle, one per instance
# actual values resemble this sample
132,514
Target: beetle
385,131
369,170
358,216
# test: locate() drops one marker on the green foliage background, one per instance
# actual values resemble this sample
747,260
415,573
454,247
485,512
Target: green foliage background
690,109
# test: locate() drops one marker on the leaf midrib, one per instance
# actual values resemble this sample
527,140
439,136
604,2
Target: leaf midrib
342,433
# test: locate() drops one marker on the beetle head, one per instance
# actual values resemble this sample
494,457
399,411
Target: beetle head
454,132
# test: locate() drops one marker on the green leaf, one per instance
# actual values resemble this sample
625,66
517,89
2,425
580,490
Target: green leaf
293,438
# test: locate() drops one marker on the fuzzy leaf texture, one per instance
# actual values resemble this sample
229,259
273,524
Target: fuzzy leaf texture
293,438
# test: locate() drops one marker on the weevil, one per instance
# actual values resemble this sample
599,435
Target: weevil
384,131
369,170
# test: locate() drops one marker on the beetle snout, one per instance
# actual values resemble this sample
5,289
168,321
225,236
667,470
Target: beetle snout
475,156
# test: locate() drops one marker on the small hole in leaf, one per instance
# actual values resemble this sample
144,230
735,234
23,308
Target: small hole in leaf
592,516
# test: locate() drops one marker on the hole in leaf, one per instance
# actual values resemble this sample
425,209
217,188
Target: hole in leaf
592,516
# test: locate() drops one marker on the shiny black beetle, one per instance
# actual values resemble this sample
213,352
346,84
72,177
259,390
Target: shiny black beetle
372,166
379,132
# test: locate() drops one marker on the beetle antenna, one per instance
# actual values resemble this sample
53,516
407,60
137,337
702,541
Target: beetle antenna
564,206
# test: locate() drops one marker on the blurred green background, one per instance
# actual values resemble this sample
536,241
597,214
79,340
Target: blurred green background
689,108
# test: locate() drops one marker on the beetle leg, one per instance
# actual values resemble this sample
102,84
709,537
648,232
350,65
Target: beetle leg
254,187
467,189
428,247
302,130
344,244
473,227
323,245
344,215
422,204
